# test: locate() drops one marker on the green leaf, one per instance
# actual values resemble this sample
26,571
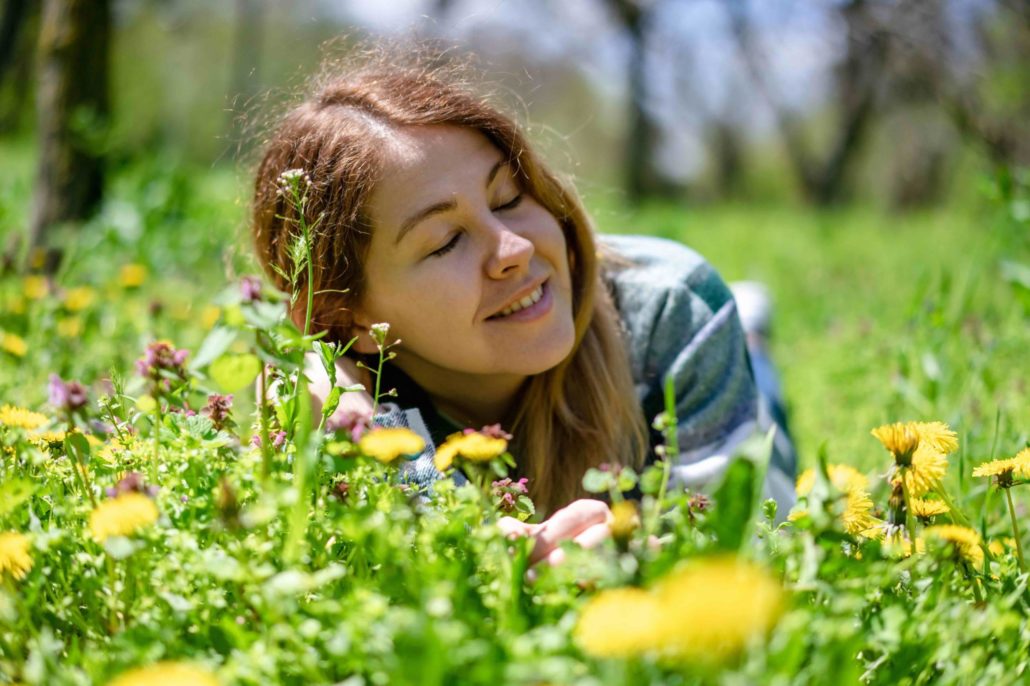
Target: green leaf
734,501
327,355
77,448
213,347
232,373
651,480
332,402
596,481
13,492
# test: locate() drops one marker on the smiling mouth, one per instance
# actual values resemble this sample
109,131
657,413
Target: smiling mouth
530,300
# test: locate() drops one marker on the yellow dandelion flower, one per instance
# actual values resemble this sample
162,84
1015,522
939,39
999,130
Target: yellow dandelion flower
713,608
475,447
924,508
20,418
996,547
805,482
1004,470
14,344
797,514
899,543
625,520
34,287
15,560
69,327
386,445
132,275
122,516
1022,460
924,473
857,516
937,435
51,441
79,298
876,530
621,622
900,439
965,541
209,316
843,477
167,674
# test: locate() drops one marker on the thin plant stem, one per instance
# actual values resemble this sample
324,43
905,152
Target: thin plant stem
80,477
266,444
974,580
1015,530
157,442
671,440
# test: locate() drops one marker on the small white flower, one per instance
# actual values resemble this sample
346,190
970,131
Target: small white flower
379,331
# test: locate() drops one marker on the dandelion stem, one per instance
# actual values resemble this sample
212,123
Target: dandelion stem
1015,530
956,514
910,523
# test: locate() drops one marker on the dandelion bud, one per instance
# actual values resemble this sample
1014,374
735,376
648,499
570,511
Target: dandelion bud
625,520
896,511
228,504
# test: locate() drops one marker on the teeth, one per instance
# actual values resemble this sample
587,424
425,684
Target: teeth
530,299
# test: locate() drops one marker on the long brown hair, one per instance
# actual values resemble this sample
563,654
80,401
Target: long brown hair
579,414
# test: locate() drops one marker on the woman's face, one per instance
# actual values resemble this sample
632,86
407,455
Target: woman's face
471,273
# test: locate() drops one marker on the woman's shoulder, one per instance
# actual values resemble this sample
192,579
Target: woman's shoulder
645,269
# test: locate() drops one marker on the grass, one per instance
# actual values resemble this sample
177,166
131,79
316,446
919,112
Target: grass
304,562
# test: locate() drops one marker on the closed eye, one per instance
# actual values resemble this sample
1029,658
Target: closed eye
511,204
448,246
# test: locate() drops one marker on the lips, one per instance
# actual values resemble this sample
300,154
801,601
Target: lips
521,303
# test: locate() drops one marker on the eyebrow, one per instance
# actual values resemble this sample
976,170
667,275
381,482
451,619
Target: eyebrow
440,207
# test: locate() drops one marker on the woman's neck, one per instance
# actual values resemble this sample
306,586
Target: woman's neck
471,400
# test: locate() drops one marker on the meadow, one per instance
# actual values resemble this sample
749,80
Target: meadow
150,531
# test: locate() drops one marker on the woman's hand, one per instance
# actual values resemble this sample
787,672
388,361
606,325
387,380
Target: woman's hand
586,522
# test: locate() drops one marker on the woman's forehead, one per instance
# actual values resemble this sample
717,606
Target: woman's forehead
420,149
429,164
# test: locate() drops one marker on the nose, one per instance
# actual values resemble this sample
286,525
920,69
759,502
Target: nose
511,253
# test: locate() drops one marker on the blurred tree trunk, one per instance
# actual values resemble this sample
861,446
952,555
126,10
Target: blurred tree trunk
641,175
729,163
1001,128
72,106
11,22
17,47
822,178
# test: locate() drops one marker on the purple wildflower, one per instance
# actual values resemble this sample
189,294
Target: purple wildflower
507,493
162,362
66,395
132,482
353,422
250,289
219,410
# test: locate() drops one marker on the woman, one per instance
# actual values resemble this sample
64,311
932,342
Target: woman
435,215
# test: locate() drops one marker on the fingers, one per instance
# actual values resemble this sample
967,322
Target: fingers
513,528
569,522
